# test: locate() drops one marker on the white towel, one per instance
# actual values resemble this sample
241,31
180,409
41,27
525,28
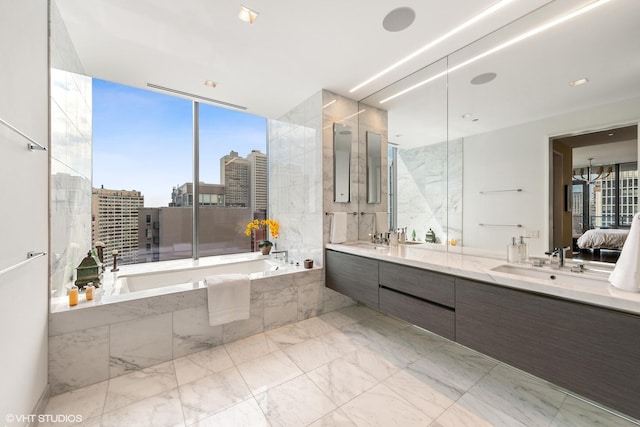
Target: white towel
381,222
228,297
626,274
338,228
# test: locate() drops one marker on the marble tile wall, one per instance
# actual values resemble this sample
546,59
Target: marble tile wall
344,111
295,179
430,177
374,120
89,345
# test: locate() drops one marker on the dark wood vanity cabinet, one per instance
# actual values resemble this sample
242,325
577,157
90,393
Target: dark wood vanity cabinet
354,276
421,297
590,350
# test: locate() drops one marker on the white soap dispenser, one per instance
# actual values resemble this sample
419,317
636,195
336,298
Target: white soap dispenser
513,253
522,249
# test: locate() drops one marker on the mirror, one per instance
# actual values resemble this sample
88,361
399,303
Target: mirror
341,163
425,170
494,105
374,167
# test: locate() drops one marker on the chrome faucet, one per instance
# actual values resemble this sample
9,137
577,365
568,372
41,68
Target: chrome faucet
561,253
286,255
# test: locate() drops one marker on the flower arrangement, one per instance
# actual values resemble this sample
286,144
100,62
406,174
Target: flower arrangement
270,226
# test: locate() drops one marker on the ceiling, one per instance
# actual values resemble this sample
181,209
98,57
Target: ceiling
293,50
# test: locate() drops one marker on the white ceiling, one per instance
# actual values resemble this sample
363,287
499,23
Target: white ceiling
295,48
292,50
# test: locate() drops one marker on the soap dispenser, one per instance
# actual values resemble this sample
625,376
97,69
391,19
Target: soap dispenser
522,249
513,254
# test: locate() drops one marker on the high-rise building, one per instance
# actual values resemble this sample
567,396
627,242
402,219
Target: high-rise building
234,175
257,181
115,222
210,195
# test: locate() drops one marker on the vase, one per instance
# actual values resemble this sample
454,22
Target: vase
266,249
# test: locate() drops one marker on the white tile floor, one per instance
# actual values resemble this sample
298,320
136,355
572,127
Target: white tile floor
352,367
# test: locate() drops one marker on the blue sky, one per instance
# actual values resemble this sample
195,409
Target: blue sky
142,140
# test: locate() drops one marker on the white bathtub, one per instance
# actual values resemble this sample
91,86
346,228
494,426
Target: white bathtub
147,283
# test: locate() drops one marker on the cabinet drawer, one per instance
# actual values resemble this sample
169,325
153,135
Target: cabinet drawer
423,284
434,318
354,276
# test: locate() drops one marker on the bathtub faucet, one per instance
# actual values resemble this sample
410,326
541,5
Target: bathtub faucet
286,255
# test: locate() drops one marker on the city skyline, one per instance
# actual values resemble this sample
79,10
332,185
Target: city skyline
142,140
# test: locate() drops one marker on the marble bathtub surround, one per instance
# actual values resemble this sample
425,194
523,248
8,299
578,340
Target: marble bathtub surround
255,382
124,337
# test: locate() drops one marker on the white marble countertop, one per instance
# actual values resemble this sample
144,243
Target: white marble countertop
595,290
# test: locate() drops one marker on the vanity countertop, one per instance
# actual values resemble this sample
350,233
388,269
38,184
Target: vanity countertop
596,291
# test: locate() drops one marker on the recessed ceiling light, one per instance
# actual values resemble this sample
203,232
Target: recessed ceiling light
247,15
210,83
398,135
440,39
481,79
398,19
611,134
579,82
475,120
467,115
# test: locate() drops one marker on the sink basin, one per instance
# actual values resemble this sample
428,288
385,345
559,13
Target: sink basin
555,276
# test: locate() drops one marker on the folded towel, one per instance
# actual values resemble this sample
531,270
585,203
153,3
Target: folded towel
626,274
338,228
382,226
228,297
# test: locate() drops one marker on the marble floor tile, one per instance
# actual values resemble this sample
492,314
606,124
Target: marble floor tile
375,363
398,353
577,413
315,327
214,359
525,398
288,335
424,392
250,348
454,366
244,414
315,352
297,402
139,385
86,401
268,371
187,370
336,418
382,407
342,380
417,339
347,315
206,396
470,411
157,411
361,333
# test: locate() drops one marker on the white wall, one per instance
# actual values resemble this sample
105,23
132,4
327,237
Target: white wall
24,102
518,157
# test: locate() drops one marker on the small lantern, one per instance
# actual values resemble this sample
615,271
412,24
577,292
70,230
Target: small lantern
87,272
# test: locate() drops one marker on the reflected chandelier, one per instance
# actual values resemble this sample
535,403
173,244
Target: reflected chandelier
581,174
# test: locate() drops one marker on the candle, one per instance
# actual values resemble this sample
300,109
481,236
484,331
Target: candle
73,296
89,291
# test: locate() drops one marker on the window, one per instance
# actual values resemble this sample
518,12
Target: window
143,172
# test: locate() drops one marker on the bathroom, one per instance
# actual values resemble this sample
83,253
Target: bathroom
506,158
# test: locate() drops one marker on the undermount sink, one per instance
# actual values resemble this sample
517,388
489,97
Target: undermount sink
555,276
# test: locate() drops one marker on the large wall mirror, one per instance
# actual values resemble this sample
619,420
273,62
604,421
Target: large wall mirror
341,163
478,125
